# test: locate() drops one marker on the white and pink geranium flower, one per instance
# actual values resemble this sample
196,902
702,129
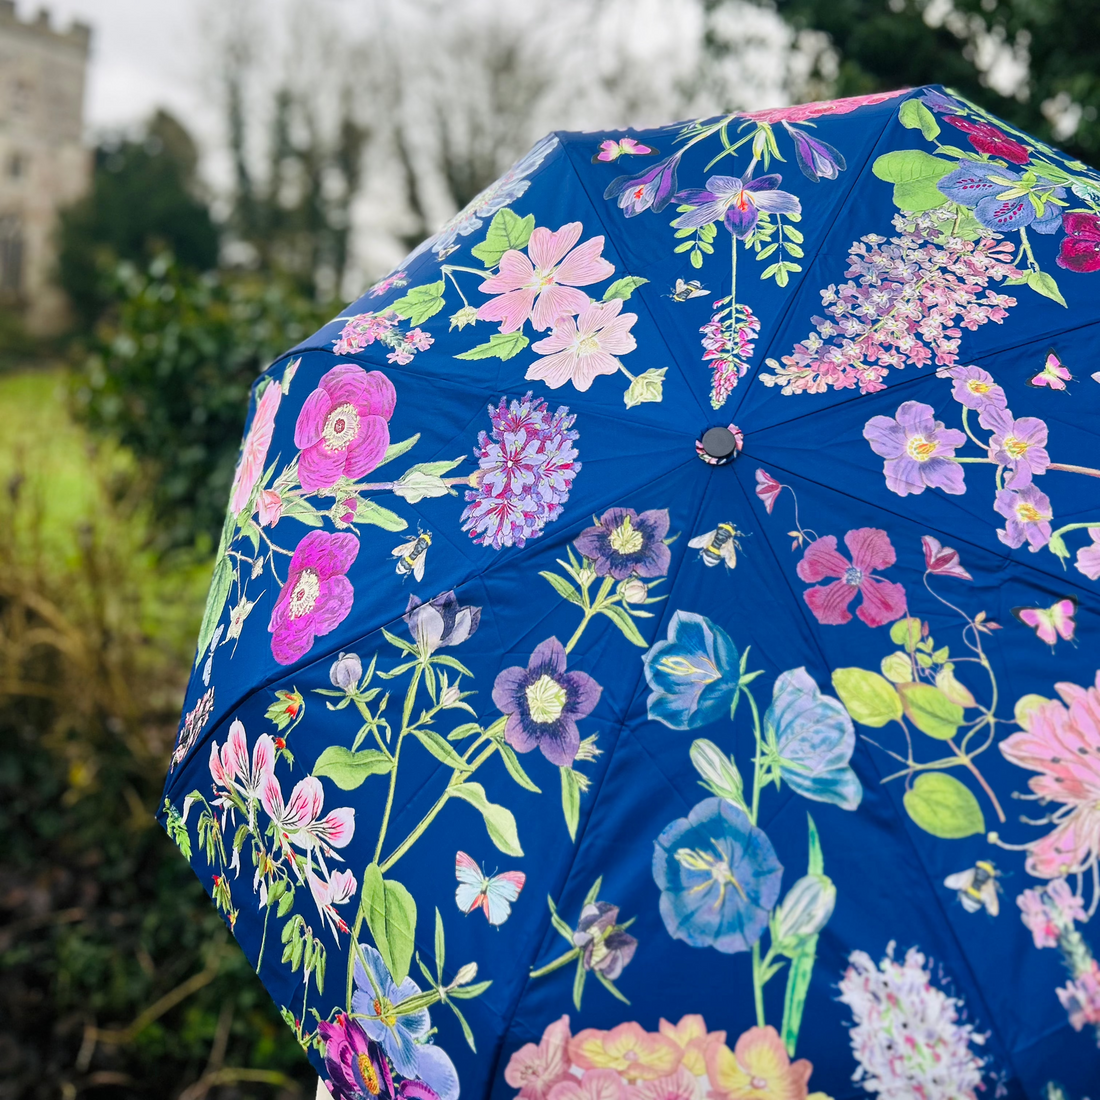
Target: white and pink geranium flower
254,452
579,349
299,820
233,771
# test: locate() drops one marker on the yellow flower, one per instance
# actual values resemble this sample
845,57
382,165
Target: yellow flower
630,1050
758,1068
690,1035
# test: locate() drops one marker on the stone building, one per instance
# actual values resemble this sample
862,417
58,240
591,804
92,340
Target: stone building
43,162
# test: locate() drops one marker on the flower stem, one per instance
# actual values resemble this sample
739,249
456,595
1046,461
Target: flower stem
556,964
1088,471
757,984
1075,527
972,767
966,428
263,938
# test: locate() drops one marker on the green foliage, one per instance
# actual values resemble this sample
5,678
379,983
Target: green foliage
942,806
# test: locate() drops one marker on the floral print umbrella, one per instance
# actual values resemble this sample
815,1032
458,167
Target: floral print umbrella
527,755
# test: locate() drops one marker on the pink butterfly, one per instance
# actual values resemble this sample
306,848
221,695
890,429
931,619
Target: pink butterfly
1054,374
493,893
611,150
1050,622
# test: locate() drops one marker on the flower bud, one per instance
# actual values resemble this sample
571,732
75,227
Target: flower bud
346,671
465,975
586,574
451,696
806,909
467,315
646,387
633,590
719,772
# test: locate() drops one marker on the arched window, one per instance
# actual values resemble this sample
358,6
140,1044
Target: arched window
11,254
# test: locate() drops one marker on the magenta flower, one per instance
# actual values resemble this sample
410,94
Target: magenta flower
544,702
1080,249
800,112
579,350
541,286
943,561
1088,557
317,595
1018,444
343,429
918,450
987,139
1028,516
975,388
254,452
648,190
363,329
736,202
626,543
383,286
871,549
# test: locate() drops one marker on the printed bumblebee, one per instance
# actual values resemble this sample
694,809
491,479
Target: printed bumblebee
682,291
718,545
977,887
411,555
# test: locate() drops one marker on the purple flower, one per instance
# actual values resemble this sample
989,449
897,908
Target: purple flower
1018,444
736,202
980,184
543,703
317,595
883,601
356,1067
975,388
1088,557
918,450
817,159
605,947
648,190
940,103
527,467
441,622
624,542
1028,514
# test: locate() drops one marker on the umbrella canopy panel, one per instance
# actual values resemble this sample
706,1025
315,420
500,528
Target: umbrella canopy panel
652,649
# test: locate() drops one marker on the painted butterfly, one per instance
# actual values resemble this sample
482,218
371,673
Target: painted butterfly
1050,622
493,893
625,147
1054,374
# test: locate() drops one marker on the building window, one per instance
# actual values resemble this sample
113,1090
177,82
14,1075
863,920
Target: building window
11,255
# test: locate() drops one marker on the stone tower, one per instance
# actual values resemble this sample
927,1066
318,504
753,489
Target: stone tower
43,163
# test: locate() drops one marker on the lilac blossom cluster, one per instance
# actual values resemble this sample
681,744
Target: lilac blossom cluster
366,328
729,339
527,466
906,303
1049,914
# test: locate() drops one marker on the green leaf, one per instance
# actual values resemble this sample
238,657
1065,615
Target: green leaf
793,234
570,800
349,770
220,583
499,822
942,806
578,983
684,247
795,251
624,622
441,750
507,231
515,769
868,697
930,710
440,945
302,511
467,1033
897,667
562,587
460,733
396,450
906,632
609,985
764,253
501,345
915,175
420,303
794,998
1044,284
624,287
914,115
366,511
390,912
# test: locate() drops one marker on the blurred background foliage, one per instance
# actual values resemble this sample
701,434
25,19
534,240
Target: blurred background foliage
119,437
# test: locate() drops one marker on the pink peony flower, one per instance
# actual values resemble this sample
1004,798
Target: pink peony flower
536,1069
540,286
577,350
254,452
317,595
883,601
343,428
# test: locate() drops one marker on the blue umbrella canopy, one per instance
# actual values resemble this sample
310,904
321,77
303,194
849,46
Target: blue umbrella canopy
651,653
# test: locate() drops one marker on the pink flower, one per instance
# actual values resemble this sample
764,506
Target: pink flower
540,286
343,429
270,506
327,894
1038,918
1081,998
596,1084
1088,557
767,489
1063,744
577,350
942,560
535,1070
630,1050
317,595
987,139
230,767
800,112
676,1086
299,821
254,452
883,601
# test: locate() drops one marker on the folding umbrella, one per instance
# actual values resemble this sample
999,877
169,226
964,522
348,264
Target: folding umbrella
652,653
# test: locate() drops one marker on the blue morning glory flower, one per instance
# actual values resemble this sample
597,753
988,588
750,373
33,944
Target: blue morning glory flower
719,877
693,673
811,739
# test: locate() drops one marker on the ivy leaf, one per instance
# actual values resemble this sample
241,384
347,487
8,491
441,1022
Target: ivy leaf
420,303
507,231
501,345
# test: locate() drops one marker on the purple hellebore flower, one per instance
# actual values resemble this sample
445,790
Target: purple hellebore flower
441,622
317,595
604,945
648,190
975,388
1018,444
626,542
736,202
817,159
1088,557
543,703
918,450
1028,515
978,184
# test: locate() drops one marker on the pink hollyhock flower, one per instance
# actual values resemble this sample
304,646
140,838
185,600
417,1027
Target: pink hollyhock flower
1080,249
596,1084
269,504
317,595
918,450
1088,557
883,601
1069,904
254,452
536,1069
1018,443
577,350
343,429
767,489
1027,513
396,279
987,139
299,821
540,286
800,112
1062,744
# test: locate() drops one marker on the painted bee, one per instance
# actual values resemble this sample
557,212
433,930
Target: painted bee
411,555
977,887
718,545
682,291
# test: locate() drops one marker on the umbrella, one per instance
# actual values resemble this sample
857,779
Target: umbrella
652,647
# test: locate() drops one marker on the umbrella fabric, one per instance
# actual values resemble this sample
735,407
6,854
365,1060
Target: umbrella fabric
537,747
